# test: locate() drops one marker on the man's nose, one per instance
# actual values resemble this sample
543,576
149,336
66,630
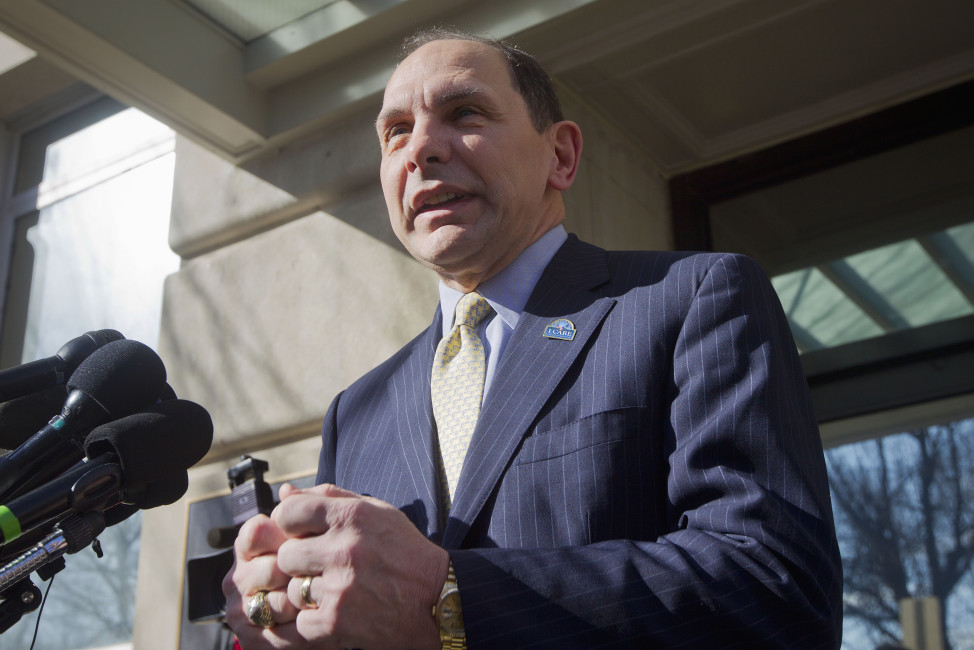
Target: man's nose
428,144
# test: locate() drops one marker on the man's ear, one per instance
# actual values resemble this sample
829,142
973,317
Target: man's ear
567,140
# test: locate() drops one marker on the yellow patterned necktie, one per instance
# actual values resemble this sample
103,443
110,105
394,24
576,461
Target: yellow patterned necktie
457,387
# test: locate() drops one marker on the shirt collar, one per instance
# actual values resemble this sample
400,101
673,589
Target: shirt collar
509,290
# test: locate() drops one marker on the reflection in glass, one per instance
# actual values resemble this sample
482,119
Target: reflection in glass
904,510
906,284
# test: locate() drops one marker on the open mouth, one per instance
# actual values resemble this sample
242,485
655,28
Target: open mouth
440,201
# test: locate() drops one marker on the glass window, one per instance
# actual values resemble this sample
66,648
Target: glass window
878,245
91,253
907,284
32,163
904,511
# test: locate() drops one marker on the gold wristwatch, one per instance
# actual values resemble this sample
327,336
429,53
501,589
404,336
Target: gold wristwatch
449,616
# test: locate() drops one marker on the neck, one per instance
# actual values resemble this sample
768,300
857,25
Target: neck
467,280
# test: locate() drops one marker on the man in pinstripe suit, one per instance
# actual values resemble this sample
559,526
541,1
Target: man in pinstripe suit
648,475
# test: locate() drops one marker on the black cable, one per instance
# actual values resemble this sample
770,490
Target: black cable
37,623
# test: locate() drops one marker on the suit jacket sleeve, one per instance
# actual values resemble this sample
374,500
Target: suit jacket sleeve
748,557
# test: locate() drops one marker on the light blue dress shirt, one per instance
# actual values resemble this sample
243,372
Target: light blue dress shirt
507,292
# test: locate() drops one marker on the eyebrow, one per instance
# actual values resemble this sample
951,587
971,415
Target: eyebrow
443,99
452,96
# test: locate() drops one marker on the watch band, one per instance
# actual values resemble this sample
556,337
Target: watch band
449,616
453,643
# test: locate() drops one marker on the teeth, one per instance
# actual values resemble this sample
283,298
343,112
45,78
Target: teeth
440,198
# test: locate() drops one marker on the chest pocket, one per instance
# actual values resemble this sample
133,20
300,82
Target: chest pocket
595,479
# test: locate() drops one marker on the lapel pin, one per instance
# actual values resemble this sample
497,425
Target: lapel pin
561,329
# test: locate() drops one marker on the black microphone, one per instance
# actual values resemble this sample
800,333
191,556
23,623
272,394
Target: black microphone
155,445
130,500
116,380
22,417
43,373
91,486
141,457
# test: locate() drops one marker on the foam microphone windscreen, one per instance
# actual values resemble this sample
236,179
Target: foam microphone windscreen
158,493
167,393
122,377
162,440
163,492
22,417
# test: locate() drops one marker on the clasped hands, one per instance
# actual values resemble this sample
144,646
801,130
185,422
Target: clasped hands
374,576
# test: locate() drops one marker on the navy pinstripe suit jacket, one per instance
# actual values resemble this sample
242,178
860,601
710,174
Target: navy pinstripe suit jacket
656,482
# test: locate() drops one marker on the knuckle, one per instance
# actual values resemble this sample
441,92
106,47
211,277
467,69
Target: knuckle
250,533
319,623
289,556
291,513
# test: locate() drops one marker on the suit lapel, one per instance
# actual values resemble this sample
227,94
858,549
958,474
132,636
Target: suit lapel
416,428
532,368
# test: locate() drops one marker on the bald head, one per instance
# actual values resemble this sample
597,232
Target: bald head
469,179
529,77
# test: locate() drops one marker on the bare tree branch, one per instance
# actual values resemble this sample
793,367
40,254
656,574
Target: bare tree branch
904,509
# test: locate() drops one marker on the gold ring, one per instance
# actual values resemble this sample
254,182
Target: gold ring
259,610
306,593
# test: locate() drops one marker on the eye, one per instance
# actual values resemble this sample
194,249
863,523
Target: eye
393,135
464,111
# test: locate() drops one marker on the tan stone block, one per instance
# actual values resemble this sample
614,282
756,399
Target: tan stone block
216,202
265,332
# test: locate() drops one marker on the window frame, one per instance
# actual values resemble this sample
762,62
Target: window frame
862,379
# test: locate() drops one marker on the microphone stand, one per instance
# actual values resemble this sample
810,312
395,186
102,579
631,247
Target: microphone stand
22,598
18,595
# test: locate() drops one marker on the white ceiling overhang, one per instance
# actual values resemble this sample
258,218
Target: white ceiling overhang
238,96
690,82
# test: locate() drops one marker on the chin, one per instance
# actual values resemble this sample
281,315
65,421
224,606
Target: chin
448,244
